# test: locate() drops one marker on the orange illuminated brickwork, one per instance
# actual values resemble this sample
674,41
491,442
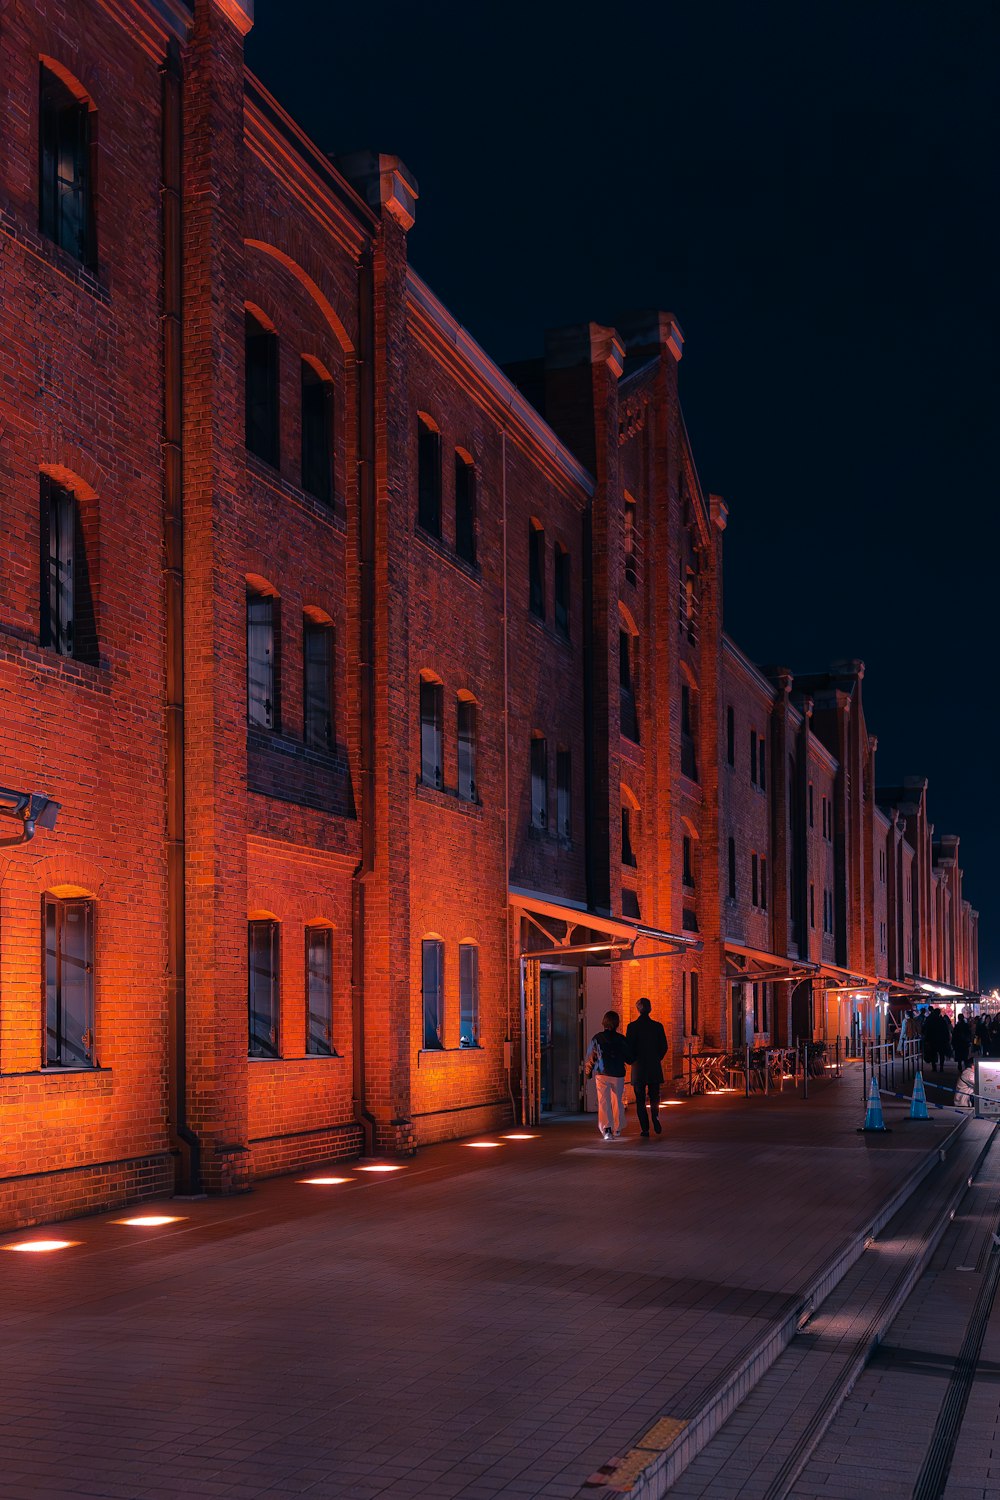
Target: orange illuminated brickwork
354,661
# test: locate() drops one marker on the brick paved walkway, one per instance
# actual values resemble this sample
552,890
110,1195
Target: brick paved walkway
480,1323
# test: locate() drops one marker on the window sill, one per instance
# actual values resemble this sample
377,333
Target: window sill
57,259
550,632
442,796
565,841
76,1070
70,668
425,1053
297,1057
441,549
332,512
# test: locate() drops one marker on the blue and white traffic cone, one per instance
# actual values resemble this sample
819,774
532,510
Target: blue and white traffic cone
918,1100
873,1117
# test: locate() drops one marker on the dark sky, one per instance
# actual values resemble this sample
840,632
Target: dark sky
811,188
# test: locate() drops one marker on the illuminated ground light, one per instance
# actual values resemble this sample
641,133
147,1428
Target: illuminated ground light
381,1166
482,1145
42,1245
323,1181
152,1221
519,1136
670,1103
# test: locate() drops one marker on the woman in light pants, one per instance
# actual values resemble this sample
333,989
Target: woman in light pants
606,1061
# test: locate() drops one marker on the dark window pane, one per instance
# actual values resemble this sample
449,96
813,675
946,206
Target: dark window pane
695,1027
429,478
631,559
69,983
689,747
468,995
465,509
539,783
263,988
763,883
536,571
59,532
628,852
318,667
261,684
564,794
562,591
432,989
625,659
430,733
317,434
467,750
319,990
261,370
688,863
65,198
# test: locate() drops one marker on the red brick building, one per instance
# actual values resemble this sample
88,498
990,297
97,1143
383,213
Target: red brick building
384,693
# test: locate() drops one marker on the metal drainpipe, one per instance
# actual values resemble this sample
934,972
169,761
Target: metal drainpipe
366,669
506,785
186,1144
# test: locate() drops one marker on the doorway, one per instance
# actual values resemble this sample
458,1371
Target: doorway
560,1035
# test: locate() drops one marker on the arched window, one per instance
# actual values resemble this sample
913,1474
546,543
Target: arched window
432,991
536,569
68,926
562,590
261,388
689,731
319,990
262,654
465,506
66,165
468,994
428,475
317,431
629,515
628,642
467,714
630,815
263,985
539,780
564,793
431,714
317,672
68,527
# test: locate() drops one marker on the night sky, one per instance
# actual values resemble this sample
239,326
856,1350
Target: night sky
811,188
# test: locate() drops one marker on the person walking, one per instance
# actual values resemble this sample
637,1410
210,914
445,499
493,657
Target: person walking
961,1043
648,1042
605,1062
937,1038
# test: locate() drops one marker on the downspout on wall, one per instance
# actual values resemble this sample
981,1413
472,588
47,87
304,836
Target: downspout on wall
366,673
185,1143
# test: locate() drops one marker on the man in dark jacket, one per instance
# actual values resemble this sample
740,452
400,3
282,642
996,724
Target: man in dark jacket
648,1042
605,1063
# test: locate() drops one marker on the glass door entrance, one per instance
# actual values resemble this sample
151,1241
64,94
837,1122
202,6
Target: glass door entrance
561,1040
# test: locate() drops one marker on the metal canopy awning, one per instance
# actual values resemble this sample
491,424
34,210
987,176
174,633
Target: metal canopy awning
934,988
844,979
617,936
758,965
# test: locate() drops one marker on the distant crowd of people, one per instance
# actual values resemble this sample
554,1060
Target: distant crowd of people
970,1036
